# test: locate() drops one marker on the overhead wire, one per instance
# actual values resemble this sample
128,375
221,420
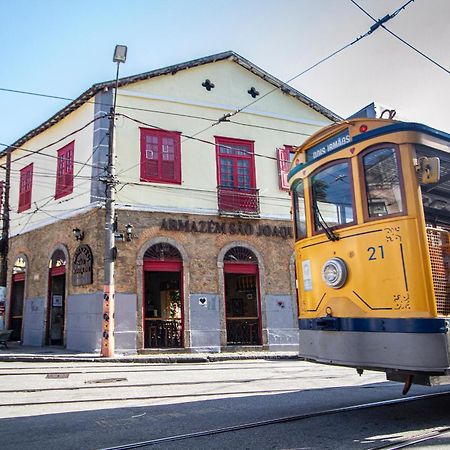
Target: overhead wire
380,23
193,190
52,196
204,141
77,176
227,116
39,150
134,108
61,216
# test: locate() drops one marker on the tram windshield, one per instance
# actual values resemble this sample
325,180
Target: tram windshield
383,188
332,196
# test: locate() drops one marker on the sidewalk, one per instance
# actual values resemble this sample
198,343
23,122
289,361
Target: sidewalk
19,353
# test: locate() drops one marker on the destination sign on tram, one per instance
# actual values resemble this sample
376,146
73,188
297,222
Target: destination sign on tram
329,145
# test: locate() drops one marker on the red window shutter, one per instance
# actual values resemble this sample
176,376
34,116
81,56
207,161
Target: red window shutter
26,184
151,169
28,198
160,156
64,171
168,170
283,160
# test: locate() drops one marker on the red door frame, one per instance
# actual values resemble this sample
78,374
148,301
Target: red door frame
54,272
164,266
245,269
15,278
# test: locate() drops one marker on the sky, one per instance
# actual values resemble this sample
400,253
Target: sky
62,47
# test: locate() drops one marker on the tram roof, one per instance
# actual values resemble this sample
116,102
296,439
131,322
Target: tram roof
436,196
337,137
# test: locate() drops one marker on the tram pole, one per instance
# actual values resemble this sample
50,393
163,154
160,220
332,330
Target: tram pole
108,344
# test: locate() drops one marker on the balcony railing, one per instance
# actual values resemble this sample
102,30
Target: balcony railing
238,201
161,333
243,331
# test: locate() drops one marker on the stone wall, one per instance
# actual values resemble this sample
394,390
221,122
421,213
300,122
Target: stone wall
202,240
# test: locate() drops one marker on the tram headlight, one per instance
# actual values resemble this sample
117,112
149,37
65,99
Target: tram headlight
334,273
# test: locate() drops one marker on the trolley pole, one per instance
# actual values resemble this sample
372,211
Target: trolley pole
108,344
5,242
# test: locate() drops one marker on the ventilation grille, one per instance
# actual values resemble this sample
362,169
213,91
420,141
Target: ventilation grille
439,248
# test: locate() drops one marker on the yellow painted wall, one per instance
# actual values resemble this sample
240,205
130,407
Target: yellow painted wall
183,93
44,207
180,93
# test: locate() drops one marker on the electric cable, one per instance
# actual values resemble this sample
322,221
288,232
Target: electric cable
39,150
227,116
134,108
76,176
204,141
379,23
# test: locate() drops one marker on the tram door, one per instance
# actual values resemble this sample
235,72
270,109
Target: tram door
56,317
242,304
16,311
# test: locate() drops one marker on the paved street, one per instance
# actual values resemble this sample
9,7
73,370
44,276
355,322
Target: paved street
99,405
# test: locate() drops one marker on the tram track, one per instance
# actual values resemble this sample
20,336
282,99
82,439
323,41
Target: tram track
116,385
294,418
128,369
415,440
146,397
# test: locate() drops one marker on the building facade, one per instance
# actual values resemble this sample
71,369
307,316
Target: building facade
203,233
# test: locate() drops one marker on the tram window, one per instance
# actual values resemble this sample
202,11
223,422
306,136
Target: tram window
383,189
332,196
299,210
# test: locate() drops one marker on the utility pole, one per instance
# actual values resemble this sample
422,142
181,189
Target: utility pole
108,344
5,241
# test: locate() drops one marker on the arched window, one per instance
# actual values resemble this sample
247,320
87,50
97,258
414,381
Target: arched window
20,265
240,254
163,252
58,259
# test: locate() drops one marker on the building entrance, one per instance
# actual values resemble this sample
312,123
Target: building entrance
56,299
163,305
242,297
56,315
17,298
16,311
162,312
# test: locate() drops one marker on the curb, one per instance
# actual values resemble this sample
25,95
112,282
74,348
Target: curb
193,359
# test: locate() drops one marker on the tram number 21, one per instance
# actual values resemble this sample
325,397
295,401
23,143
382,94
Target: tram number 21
376,253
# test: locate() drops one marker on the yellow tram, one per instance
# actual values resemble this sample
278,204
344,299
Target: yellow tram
371,211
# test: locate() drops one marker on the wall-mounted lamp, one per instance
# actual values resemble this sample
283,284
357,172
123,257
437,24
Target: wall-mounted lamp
78,234
127,236
129,229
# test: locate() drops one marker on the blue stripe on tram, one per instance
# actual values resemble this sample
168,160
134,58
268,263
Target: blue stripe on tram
375,325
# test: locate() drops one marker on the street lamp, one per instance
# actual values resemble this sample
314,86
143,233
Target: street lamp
120,54
108,345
